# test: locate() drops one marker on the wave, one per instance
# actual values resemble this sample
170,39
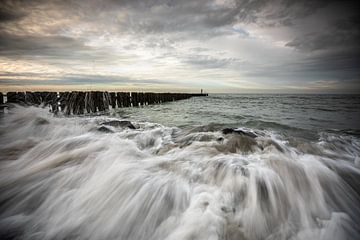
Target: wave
64,178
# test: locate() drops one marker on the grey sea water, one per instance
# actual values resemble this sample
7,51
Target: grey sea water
281,112
289,171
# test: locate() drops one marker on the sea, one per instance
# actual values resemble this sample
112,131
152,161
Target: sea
226,166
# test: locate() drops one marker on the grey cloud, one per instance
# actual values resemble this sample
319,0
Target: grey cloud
321,41
163,25
13,45
59,50
76,79
338,28
287,12
342,65
342,35
331,66
208,62
195,16
199,18
7,15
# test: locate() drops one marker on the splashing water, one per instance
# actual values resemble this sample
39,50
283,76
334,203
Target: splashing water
62,178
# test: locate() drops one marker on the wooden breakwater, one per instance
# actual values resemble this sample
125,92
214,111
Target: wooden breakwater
77,102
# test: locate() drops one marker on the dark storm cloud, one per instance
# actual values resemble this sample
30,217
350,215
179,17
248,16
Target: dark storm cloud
287,12
7,15
205,15
343,33
342,68
323,35
14,45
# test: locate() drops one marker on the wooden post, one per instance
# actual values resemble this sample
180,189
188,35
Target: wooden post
113,100
90,102
120,100
134,99
21,97
141,98
63,99
126,99
106,100
11,97
79,103
98,100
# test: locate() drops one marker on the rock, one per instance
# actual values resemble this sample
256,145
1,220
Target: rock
105,129
238,131
41,121
241,143
117,123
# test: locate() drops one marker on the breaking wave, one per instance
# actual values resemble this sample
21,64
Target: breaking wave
107,178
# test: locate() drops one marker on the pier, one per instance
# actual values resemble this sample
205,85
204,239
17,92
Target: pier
78,102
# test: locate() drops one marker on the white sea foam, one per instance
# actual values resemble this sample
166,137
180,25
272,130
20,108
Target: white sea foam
61,178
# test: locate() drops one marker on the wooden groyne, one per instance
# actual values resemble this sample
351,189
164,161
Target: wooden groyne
93,101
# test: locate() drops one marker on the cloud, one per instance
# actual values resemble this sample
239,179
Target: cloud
207,62
343,33
76,79
7,15
14,45
212,42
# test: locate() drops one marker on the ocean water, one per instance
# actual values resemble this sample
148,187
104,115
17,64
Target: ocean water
291,171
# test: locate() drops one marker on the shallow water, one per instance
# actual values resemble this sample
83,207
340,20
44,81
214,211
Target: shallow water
177,176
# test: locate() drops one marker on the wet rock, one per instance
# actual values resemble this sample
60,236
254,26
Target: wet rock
212,127
117,123
238,131
105,129
41,121
238,143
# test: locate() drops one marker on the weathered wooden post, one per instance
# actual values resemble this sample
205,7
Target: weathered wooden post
29,98
90,102
141,98
106,100
82,102
100,101
79,103
37,97
134,99
147,98
127,99
21,97
63,100
120,100
54,102
44,96
1,102
113,99
11,97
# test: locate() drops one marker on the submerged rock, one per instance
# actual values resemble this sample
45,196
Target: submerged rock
105,129
238,131
118,123
238,143
41,121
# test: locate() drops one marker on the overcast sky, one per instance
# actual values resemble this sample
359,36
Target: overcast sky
238,46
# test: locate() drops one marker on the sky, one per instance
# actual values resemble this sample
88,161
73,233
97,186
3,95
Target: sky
224,46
